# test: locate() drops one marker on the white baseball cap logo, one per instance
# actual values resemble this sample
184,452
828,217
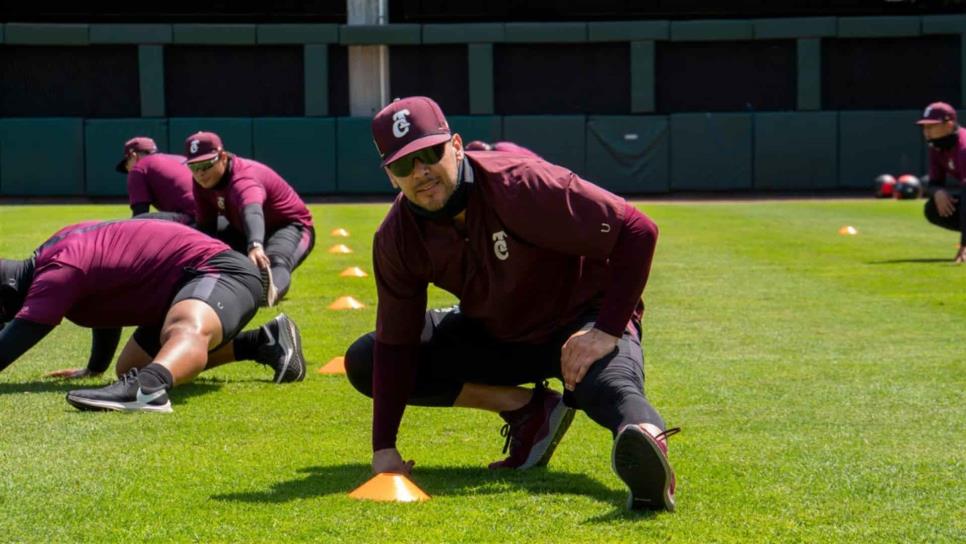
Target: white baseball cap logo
400,126
927,112
194,145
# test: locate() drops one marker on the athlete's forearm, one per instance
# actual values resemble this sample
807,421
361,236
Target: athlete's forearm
103,345
17,337
393,378
254,219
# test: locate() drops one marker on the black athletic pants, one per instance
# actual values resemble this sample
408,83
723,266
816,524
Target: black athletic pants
953,221
456,350
286,249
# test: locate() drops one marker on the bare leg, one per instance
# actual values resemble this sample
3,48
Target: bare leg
495,398
223,355
190,329
132,356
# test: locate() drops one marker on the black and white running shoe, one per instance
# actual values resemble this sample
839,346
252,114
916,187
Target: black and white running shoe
283,350
124,395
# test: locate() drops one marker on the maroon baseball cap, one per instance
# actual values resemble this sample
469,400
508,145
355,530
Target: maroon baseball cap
138,144
407,125
937,112
201,146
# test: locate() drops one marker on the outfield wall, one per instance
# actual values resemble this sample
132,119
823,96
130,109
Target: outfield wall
639,107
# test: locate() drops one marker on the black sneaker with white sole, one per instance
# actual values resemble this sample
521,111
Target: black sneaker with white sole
282,350
124,395
640,461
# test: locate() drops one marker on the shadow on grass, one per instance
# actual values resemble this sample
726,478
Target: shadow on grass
440,481
43,386
178,396
912,261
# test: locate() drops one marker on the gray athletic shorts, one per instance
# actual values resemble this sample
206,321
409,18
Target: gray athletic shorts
232,288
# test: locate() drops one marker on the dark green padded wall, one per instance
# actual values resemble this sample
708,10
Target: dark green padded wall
628,154
357,161
104,142
42,157
711,152
559,139
878,142
235,133
796,151
488,128
301,150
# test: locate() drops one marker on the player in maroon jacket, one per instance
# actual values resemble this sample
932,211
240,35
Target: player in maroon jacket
267,219
188,294
947,157
548,269
159,180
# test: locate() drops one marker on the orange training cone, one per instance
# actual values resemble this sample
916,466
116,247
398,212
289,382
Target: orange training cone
340,233
340,248
389,487
346,303
335,366
353,272
848,230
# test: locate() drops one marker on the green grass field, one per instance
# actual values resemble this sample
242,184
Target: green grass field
819,380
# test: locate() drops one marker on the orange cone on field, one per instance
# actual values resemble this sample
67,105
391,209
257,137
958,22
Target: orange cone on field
335,366
848,230
340,248
346,303
389,487
340,233
353,272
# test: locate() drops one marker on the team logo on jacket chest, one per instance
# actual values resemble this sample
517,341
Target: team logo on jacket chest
499,245
221,203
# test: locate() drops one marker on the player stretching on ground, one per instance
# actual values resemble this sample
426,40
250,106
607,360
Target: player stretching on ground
188,295
549,270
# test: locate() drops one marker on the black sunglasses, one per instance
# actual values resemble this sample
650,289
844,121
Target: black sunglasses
203,165
404,165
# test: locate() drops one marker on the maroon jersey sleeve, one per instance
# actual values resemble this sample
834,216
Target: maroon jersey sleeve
402,291
400,313
138,191
553,208
52,293
246,191
960,161
630,265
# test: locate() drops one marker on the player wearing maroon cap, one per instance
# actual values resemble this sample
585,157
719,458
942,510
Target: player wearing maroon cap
947,157
267,219
159,180
549,271
188,295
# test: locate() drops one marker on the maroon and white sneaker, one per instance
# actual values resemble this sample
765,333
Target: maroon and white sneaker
533,432
640,461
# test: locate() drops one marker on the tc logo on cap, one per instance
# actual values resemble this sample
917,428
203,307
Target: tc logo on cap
194,145
928,111
400,126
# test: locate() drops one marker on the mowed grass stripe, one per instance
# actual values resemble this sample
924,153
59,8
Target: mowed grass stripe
811,372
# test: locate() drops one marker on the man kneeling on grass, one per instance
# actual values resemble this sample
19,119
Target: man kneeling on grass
188,295
549,270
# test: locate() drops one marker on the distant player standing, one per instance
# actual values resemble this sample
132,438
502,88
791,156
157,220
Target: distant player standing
947,157
188,294
159,180
267,219
549,271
